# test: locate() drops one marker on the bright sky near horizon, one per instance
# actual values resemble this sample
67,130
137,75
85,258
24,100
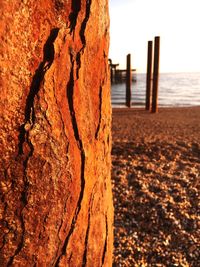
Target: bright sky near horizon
177,22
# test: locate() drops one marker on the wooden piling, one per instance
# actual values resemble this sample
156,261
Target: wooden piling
111,75
149,76
128,80
156,74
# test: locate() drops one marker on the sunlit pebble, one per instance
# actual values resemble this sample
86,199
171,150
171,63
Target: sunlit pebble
129,164
124,194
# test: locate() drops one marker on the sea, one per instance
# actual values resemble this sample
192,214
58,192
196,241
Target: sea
175,90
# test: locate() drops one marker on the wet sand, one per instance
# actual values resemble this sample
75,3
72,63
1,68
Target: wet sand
156,187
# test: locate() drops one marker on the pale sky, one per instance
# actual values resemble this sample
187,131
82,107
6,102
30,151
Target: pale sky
177,22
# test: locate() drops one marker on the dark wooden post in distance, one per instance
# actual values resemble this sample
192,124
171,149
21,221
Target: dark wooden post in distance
149,76
156,74
111,75
128,80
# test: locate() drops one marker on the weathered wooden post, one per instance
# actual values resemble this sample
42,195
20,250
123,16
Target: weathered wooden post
155,75
128,80
115,72
148,77
111,74
55,127
111,70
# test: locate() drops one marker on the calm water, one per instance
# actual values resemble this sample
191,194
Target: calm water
175,89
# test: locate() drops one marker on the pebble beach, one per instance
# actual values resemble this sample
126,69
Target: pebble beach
156,187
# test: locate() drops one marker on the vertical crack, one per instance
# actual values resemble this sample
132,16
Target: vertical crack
106,241
82,35
76,7
84,23
86,240
48,57
101,97
100,108
70,95
84,262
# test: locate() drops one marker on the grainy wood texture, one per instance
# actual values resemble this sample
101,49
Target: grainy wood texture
128,80
149,77
56,202
156,75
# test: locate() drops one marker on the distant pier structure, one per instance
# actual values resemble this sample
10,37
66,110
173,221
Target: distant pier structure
119,75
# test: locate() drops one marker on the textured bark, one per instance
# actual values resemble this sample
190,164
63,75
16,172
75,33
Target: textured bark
56,202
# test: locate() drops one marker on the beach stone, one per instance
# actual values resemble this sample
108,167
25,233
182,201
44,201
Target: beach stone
55,142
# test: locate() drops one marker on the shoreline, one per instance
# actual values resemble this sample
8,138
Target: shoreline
159,108
136,107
